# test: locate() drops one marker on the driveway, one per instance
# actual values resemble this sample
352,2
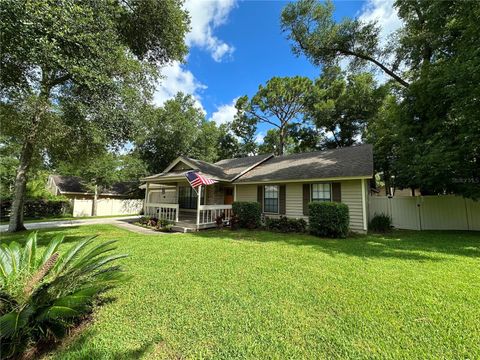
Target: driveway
67,223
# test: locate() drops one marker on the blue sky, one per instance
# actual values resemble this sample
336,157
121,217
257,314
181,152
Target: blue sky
237,45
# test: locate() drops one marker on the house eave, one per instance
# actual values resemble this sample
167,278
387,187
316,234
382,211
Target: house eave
272,181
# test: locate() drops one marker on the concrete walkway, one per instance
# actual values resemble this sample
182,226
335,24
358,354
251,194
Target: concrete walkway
80,222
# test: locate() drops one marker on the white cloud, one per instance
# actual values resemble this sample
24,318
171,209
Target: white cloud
205,16
385,14
259,138
174,79
224,113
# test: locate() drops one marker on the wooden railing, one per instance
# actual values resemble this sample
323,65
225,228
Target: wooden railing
208,213
162,211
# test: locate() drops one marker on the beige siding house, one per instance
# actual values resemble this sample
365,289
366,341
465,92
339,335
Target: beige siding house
283,185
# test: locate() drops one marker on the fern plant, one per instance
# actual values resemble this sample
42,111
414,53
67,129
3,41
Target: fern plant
42,296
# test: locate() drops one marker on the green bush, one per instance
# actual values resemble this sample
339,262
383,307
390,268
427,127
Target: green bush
329,219
380,223
41,297
37,208
286,225
249,214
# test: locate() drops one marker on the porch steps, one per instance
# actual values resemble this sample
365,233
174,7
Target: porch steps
183,229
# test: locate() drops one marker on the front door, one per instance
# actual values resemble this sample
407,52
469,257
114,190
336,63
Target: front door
228,198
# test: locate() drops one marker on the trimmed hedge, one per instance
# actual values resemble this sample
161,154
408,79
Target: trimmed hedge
328,219
249,214
286,225
36,208
380,223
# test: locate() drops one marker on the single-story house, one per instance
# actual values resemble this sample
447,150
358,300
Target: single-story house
73,187
283,185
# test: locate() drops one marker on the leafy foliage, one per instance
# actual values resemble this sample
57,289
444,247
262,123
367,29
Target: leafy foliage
37,208
380,223
329,219
177,128
75,76
43,295
286,225
433,126
342,105
279,103
249,214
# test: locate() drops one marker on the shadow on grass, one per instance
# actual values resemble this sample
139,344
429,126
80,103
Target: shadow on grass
406,245
44,235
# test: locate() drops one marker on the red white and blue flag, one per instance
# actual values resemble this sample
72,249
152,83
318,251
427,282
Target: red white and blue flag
196,179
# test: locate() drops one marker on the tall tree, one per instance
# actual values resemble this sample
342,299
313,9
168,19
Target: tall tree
90,60
228,145
279,103
434,59
177,128
340,106
314,33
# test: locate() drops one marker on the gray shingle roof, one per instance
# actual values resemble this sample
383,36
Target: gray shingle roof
345,162
74,184
355,161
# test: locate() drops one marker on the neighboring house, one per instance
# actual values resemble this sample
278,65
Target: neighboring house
73,187
119,199
283,185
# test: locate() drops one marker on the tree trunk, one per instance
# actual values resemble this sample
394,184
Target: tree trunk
16,212
28,148
281,144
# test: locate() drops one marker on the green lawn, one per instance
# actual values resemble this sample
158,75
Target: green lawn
66,217
222,294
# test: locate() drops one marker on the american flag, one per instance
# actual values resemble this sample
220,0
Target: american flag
196,179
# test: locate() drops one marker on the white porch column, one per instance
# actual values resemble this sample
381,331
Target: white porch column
364,204
234,192
199,202
147,188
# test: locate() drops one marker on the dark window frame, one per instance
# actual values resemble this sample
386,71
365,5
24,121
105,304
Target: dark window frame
271,199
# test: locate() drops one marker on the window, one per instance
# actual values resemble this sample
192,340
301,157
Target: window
321,192
270,199
187,197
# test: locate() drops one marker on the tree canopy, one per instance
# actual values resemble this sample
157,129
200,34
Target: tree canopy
74,74
279,103
433,60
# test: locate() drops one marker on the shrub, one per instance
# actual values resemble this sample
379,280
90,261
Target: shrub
284,224
249,214
380,223
219,220
234,222
329,219
43,296
38,208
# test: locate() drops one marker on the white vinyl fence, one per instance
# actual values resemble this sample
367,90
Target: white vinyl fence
106,207
446,212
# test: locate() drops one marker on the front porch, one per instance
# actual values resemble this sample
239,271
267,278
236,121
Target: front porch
186,209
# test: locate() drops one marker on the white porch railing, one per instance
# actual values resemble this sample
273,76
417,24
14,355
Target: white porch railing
162,211
208,213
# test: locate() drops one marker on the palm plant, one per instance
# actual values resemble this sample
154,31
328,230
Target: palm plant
41,297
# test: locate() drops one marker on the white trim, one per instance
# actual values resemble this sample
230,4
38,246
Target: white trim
318,183
251,167
274,181
176,161
364,206
199,203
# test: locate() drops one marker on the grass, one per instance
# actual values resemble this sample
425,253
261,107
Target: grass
223,294
66,217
